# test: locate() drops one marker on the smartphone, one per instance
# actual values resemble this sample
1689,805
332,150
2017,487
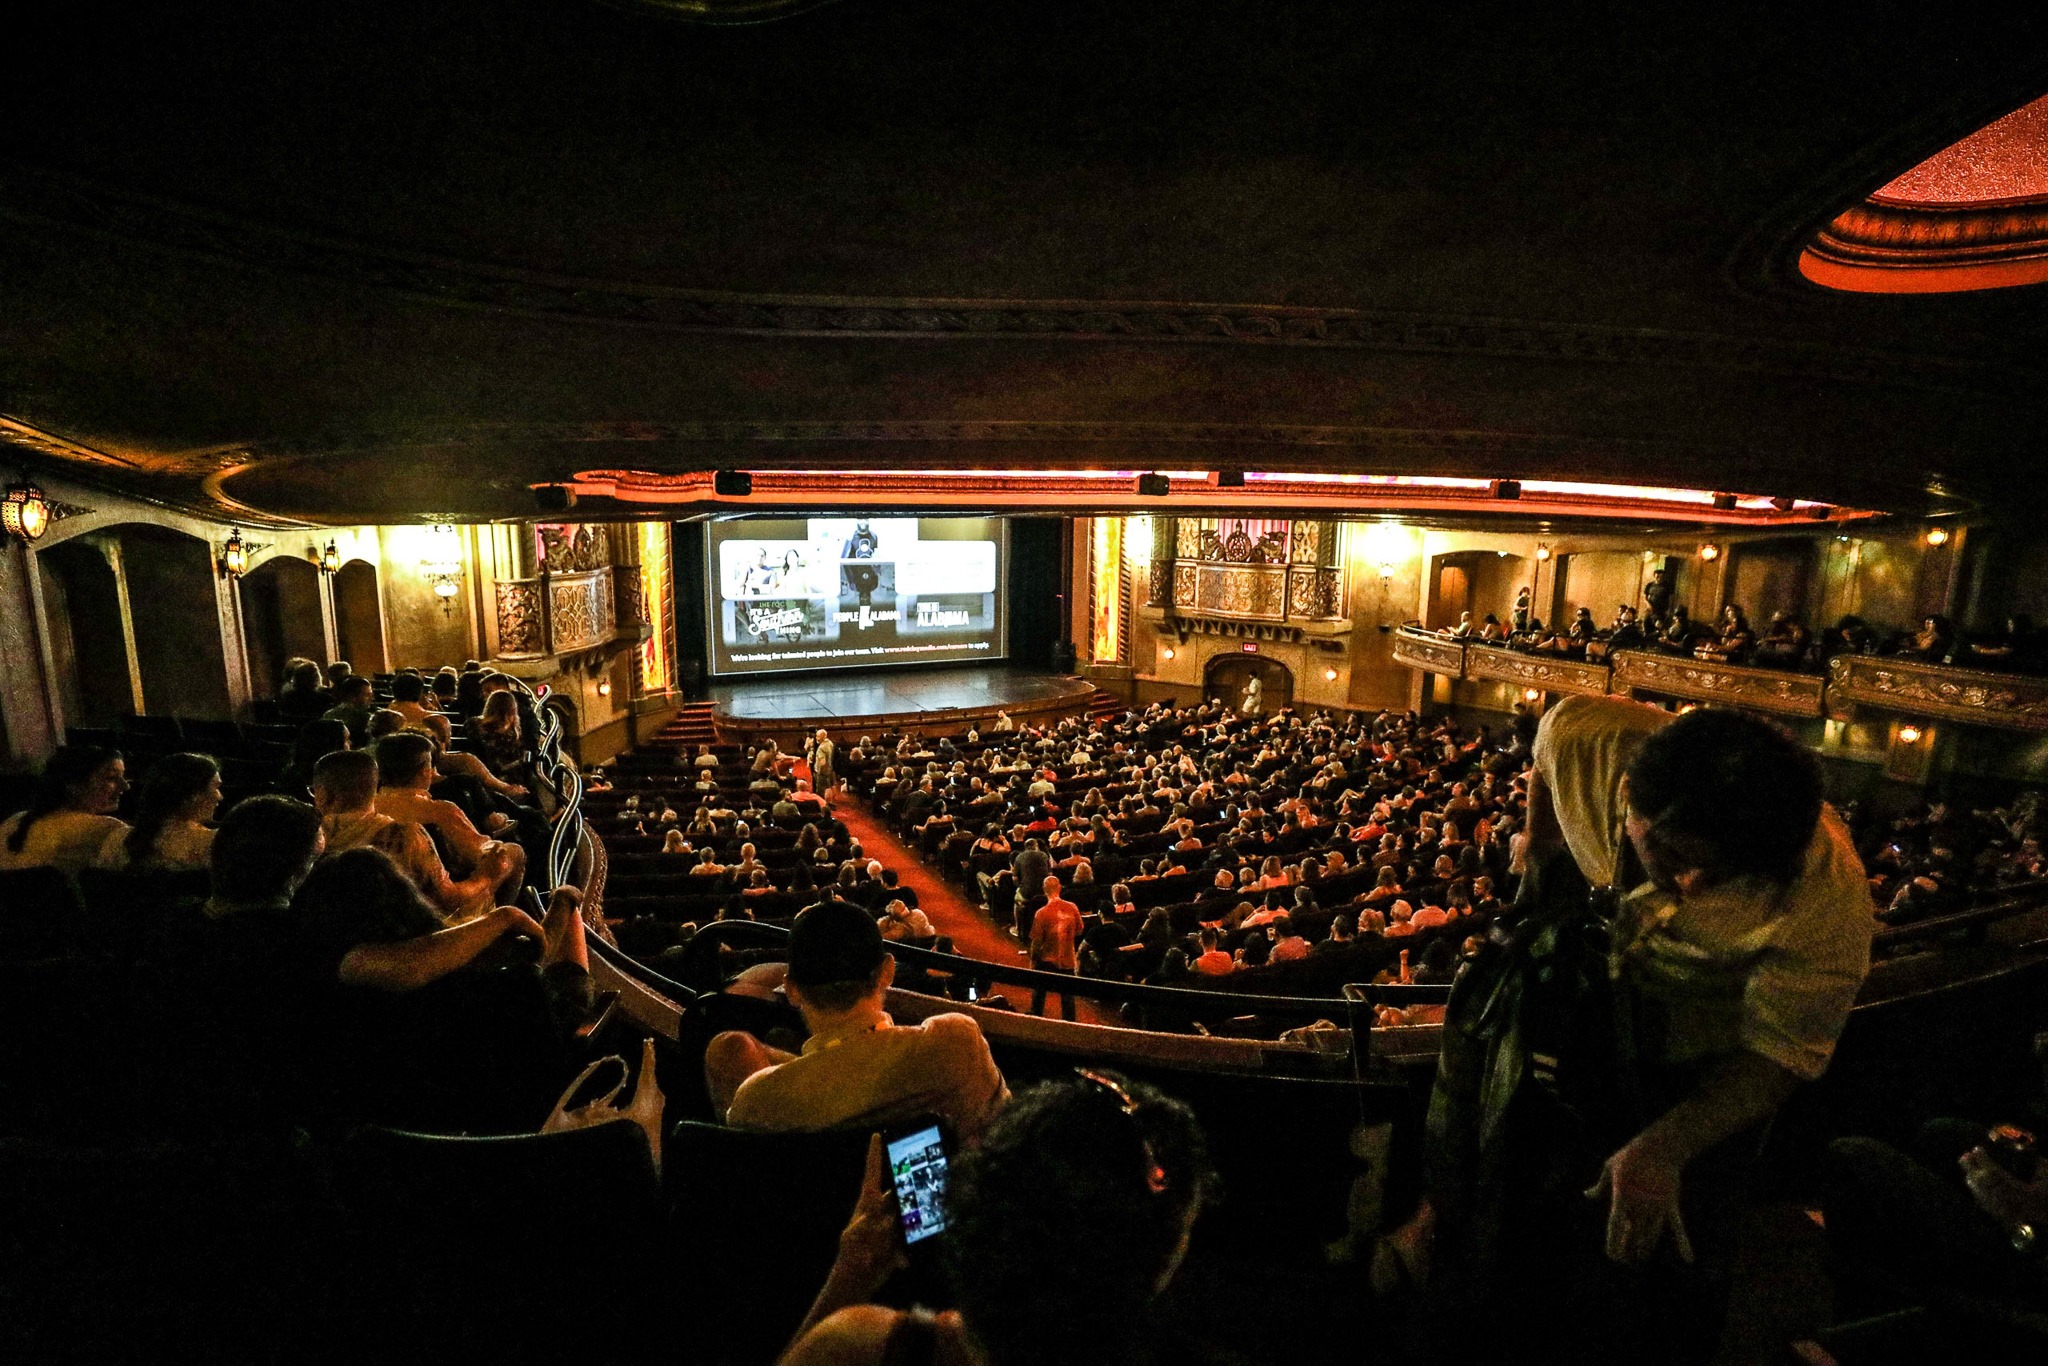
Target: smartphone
917,1168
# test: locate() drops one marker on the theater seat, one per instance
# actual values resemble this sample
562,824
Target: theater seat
759,1216
40,910
514,1248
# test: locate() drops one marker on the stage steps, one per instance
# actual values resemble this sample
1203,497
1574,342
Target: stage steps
1106,706
692,726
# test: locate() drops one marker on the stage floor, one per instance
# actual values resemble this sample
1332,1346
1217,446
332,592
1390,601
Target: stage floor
840,697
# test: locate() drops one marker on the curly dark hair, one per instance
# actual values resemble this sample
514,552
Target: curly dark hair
1065,1218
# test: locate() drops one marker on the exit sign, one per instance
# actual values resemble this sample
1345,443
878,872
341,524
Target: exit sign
1250,647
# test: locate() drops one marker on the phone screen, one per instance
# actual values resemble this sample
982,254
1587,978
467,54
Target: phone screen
917,1165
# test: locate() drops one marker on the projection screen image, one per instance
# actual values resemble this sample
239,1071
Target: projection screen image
847,592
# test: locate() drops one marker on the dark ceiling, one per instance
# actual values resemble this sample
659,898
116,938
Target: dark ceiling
371,261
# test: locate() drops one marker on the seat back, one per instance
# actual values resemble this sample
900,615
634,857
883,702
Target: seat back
759,1215
40,910
490,1248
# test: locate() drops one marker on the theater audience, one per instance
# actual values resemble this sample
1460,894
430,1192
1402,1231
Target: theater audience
345,793
405,771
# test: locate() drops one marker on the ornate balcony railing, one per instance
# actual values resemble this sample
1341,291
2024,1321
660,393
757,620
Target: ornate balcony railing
1256,592
554,614
1546,672
1430,652
1772,690
2008,701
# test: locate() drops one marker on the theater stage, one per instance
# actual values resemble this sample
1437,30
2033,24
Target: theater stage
928,700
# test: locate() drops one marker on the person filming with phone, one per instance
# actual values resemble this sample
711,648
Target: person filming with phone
1062,1230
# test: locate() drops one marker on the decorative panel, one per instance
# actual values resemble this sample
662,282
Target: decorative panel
1242,591
2010,701
1314,594
520,627
1535,671
580,610
1429,652
1771,690
1159,588
1184,585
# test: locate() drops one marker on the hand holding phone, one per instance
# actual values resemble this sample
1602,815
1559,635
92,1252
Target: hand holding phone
869,1249
918,1170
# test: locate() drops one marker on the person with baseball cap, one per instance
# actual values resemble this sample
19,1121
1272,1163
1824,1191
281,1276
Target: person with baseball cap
858,1067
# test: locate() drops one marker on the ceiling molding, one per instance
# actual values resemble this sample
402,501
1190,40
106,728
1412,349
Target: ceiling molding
51,199
718,11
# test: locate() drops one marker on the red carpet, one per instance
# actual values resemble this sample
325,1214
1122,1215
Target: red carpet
950,910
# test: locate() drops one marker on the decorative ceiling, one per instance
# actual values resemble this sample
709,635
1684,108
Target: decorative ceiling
385,261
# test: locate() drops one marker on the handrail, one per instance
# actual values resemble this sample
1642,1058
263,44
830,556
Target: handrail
567,781
1189,1001
2027,897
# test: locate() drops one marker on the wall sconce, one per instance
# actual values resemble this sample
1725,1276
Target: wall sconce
1937,536
1386,570
1531,694
1166,652
26,512
1909,735
604,687
1542,552
1651,557
330,559
443,568
1710,552
234,556
1329,675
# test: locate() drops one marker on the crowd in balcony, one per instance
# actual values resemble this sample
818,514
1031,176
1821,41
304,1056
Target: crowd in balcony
1784,642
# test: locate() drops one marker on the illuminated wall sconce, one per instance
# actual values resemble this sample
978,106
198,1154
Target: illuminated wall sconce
26,513
1166,652
1909,735
443,565
1329,675
1651,557
1937,536
1386,569
604,687
1710,552
1531,694
330,559
1542,552
234,556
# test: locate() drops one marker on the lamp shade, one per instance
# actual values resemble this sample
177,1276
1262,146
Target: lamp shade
26,513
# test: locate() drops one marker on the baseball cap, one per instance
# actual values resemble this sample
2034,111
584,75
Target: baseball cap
834,941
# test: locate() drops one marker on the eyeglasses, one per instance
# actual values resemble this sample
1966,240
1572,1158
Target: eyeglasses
1155,1175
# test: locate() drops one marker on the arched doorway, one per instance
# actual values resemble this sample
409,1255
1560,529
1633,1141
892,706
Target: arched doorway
359,617
280,619
1475,581
82,600
1224,679
177,614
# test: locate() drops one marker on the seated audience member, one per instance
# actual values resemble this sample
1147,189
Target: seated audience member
1783,644
316,739
2017,648
455,764
405,773
177,798
1067,1223
409,698
355,699
1732,641
1932,642
71,817
905,922
469,694
1213,961
345,794
1952,1212
302,698
361,904
858,1066
498,737
1289,947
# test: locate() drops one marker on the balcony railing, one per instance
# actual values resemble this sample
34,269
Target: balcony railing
554,614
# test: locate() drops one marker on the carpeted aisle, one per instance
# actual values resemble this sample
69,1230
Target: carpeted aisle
951,911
